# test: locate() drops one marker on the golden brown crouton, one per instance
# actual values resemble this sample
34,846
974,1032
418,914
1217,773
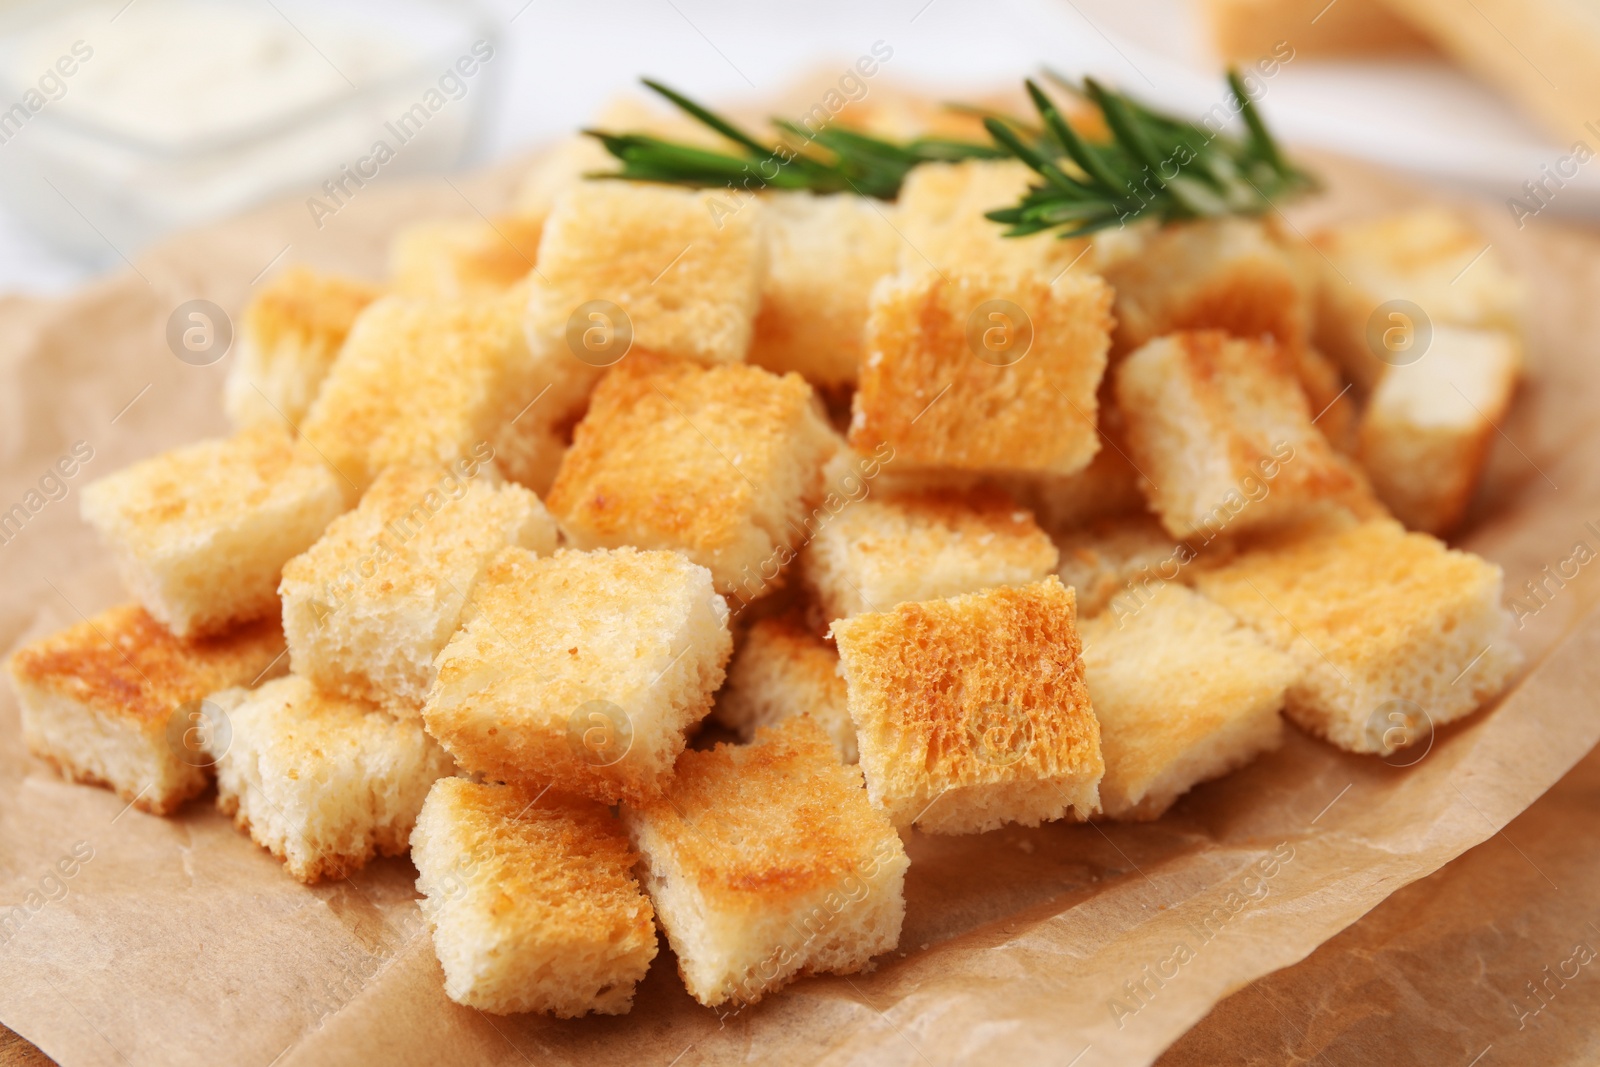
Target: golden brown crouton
892,548
766,861
1427,427
1224,435
984,371
1118,563
368,607
780,670
971,712
200,534
1377,618
720,462
321,781
288,338
1246,30
464,259
1183,694
116,700
582,670
532,900
940,216
824,255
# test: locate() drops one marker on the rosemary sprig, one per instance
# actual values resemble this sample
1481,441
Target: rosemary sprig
831,159
1154,165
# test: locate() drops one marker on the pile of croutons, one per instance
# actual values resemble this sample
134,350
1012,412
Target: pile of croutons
951,530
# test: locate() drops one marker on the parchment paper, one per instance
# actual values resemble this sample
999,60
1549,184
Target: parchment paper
178,941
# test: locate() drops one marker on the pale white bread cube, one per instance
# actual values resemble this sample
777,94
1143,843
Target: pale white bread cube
892,548
940,215
368,607
824,255
200,534
766,862
983,371
782,669
460,259
722,463
1184,693
532,900
288,337
971,712
116,700
321,781
1117,564
1428,425
1223,435
1430,257
421,381
581,670
1380,620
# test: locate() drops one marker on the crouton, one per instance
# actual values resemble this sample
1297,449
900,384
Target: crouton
200,534
420,381
368,607
684,267
940,216
1224,436
984,371
1432,260
1107,488
893,548
971,712
462,259
289,335
1184,693
719,462
1123,560
321,781
766,862
1374,615
824,254
118,701
1428,425
582,669
1248,31
528,451
782,669
532,900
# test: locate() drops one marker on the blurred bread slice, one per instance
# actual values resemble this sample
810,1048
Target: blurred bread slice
321,781
971,712
289,335
118,701
766,862
1243,31
200,534
781,669
368,607
461,259
532,900
1184,693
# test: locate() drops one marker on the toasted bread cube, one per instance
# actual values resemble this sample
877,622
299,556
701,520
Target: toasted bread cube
321,781
684,266
1251,31
824,255
1428,425
719,462
528,451
1431,258
420,381
1107,488
116,700
971,712
532,900
368,607
1374,615
893,548
766,862
464,259
781,670
1118,563
984,371
1224,435
200,534
582,670
288,338
1184,693
940,216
